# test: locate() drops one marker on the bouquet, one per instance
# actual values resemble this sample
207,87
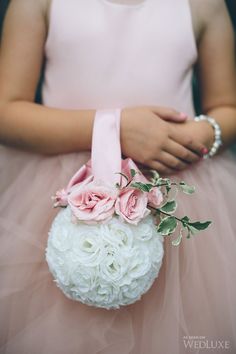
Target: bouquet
105,246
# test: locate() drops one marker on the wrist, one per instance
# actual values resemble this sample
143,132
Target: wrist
214,141
209,134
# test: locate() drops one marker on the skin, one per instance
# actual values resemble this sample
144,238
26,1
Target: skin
170,145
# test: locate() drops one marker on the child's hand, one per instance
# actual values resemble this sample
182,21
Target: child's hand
201,132
148,139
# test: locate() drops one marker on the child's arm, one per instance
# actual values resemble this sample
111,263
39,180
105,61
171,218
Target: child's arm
217,74
217,69
23,123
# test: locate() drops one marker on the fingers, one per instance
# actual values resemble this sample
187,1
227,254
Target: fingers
188,142
169,114
194,146
181,152
173,159
172,162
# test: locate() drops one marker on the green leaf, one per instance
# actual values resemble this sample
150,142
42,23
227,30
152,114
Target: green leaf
133,172
155,177
178,240
186,188
169,207
167,225
142,186
200,226
194,227
185,219
189,233
155,174
191,230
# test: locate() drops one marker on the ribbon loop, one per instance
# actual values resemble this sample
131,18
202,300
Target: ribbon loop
106,149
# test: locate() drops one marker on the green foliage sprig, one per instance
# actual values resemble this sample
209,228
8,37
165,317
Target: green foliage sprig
168,222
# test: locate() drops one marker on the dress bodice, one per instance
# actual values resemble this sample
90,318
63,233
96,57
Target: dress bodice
103,54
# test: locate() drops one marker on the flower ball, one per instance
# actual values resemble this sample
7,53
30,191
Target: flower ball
105,265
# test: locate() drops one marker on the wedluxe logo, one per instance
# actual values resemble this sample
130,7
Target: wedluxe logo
204,343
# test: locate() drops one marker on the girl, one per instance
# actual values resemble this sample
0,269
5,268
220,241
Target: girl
137,55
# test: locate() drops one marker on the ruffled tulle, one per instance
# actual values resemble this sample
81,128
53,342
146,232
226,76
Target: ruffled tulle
194,295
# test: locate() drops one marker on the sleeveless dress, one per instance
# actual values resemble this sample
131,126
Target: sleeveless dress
103,54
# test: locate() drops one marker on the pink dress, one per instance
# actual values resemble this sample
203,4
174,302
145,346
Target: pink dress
102,54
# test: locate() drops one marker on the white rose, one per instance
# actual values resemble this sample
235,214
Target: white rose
144,231
104,265
113,268
61,238
88,247
118,233
140,262
84,278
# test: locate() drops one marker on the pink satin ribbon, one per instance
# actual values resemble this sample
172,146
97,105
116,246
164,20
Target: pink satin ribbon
106,149
106,161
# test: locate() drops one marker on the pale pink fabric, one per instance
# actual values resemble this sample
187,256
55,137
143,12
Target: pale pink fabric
107,56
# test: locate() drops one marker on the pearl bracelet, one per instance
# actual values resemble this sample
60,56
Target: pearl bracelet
217,131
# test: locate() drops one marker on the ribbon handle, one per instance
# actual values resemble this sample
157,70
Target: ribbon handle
106,149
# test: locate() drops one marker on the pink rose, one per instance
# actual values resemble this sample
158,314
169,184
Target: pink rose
155,197
92,202
131,205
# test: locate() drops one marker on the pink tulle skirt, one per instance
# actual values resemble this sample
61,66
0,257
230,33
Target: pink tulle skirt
191,307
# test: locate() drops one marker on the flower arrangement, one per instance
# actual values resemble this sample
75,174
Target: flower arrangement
105,246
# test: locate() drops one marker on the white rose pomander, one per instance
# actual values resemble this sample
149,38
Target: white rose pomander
105,247
104,265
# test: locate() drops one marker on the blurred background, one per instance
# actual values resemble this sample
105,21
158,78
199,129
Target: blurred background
232,10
